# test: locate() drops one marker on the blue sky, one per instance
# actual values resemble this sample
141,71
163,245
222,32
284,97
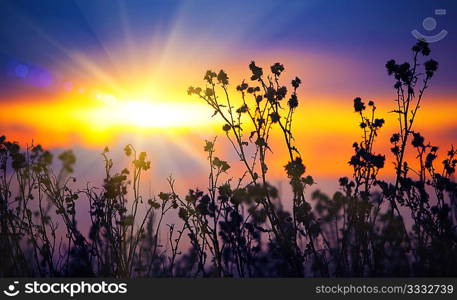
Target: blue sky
356,28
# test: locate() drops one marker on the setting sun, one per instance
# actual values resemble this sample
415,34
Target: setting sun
148,114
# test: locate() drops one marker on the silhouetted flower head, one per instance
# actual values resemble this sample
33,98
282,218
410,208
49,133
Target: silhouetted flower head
257,72
293,101
295,168
418,140
363,158
281,93
391,66
209,146
191,90
404,72
67,158
243,86
430,67
221,164
226,127
209,92
355,161
358,104
209,76
141,162
243,108
296,82
274,117
378,161
128,150
222,77
394,138
401,72
395,150
343,181
378,123
277,68
370,103
270,94
429,160
422,47
449,165
183,214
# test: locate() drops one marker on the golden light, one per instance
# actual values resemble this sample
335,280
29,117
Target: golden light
95,118
148,113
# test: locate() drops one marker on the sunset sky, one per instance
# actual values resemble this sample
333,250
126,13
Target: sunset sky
85,74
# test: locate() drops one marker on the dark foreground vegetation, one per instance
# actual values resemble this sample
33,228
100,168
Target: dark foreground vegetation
238,227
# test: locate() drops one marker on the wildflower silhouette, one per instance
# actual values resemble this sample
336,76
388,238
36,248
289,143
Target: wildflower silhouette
238,227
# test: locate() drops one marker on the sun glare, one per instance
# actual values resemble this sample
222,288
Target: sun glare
148,113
